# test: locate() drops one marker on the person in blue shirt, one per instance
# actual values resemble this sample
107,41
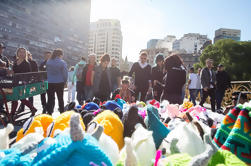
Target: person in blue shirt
57,74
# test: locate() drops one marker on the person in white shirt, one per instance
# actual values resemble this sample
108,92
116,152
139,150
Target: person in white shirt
192,85
71,85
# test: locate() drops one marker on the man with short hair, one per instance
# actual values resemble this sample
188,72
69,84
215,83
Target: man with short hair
222,83
115,75
208,82
142,78
42,67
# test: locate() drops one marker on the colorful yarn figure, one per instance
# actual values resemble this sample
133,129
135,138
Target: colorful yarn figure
226,127
239,139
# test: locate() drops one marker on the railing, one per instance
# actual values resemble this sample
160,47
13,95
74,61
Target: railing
241,86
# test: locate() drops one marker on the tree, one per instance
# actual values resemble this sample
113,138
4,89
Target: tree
234,55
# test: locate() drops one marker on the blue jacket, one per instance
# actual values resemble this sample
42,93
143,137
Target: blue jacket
57,71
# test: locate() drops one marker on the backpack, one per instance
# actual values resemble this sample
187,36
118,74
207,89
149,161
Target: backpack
79,72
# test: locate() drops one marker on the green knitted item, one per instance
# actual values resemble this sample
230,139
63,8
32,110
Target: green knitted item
179,159
239,139
226,127
225,158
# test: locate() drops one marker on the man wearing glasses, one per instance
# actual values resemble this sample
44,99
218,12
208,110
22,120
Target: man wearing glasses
142,71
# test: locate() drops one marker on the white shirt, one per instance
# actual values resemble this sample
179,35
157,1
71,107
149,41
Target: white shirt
194,79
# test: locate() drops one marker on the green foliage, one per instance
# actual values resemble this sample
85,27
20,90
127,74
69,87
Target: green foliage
234,55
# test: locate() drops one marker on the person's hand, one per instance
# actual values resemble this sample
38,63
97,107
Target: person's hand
205,89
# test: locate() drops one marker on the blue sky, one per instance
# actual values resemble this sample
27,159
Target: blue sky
142,20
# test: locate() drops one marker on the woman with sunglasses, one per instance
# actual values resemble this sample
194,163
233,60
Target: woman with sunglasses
142,71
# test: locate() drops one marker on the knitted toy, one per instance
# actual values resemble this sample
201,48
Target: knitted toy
225,158
155,103
113,126
239,139
139,149
140,104
120,102
185,106
14,156
154,124
72,149
112,105
4,136
61,123
130,119
106,143
87,116
90,106
226,126
38,123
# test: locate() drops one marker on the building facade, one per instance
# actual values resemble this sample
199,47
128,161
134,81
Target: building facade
152,43
190,43
43,25
224,33
152,52
106,37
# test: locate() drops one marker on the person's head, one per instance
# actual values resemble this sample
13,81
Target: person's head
57,53
125,82
220,67
243,98
191,70
159,59
21,54
105,60
47,55
29,55
143,57
114,62
92,59
1,48
83,58
199,70
209,63
71,68
173,60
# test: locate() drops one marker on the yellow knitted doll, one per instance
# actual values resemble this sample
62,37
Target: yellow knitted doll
113,126
61,123
40,122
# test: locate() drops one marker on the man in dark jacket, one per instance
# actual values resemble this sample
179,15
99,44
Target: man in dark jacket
208,81
42,67
222,83
142,70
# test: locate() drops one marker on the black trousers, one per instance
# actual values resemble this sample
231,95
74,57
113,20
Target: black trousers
210,92
57,88
80,92
219,95
142,91
43,102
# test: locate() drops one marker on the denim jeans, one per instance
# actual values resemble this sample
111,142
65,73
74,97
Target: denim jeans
88,92
193,95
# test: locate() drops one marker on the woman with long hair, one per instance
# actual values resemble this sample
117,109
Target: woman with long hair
175,79
22,65
57,74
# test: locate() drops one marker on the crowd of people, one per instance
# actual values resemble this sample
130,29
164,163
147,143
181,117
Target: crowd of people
167,80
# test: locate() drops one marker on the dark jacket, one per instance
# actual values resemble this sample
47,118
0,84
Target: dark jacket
175,80
42,66
3,72
5,59
34,67
142,76
23,67
206,78
157,74
222,80
97,77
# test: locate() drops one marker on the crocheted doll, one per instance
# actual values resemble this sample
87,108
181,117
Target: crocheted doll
130,119
76,148
4,136
61,123
113,126
38,123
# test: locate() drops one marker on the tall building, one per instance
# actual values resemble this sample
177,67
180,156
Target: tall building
43,25
152,52
152,43
106,37
224,33
190,43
